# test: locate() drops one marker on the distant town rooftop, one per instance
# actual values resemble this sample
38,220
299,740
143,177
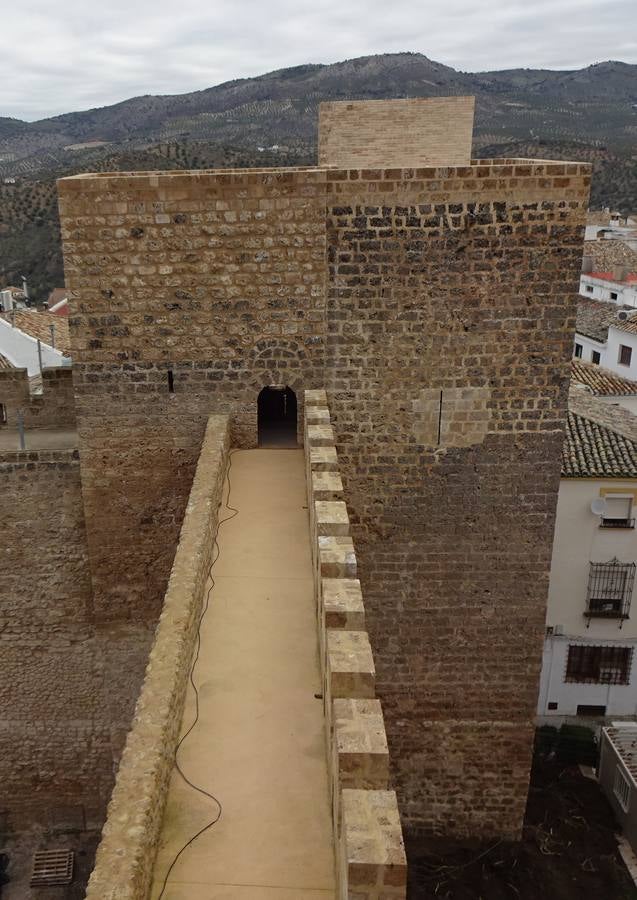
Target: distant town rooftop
601,382
600,441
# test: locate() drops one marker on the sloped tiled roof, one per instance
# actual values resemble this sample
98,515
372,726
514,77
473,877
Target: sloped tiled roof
591,450
607,254
594,317
629,325
4,363
601,382
37,324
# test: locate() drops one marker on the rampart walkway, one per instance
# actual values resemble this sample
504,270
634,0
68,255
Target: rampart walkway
259,745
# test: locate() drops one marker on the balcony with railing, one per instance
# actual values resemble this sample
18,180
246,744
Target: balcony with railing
610,589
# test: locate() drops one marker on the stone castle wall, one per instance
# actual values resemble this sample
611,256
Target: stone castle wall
436,131
54,406
126,855
437,307
67,688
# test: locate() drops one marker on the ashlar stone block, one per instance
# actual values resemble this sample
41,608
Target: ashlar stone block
331,518
342,604
326,485
323,459
371,855
336,557
360,758
315,398
317,415
350,668
320,436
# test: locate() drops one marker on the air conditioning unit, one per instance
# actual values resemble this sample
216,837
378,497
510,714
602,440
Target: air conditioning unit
623,315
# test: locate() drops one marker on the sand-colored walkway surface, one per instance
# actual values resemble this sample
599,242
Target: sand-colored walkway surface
259,745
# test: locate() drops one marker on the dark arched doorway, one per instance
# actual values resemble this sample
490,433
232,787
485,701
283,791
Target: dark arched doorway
276,408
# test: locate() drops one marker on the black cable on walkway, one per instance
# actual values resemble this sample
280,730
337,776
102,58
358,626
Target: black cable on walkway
191,784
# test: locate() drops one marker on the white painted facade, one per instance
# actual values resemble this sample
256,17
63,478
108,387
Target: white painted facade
622,293
610,353
578,541
22,350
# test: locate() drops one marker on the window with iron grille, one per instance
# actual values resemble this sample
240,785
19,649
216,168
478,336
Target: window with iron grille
589,664
610,588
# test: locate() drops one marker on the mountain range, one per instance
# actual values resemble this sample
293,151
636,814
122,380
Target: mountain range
589,113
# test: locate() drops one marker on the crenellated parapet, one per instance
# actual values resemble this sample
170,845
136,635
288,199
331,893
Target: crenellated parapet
370,856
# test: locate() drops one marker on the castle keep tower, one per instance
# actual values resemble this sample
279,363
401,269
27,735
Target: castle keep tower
434,298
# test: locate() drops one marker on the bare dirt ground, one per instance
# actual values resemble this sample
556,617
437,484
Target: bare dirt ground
16,852
568,851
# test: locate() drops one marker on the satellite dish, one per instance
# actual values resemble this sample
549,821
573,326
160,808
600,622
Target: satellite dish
599,506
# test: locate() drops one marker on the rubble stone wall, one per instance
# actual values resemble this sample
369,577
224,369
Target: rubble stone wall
67,688
53,407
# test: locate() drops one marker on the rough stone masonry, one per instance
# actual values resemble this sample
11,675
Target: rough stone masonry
436,305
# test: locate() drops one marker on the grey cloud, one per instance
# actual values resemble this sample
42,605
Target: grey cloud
76,55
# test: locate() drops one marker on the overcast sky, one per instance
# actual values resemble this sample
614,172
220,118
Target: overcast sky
76,54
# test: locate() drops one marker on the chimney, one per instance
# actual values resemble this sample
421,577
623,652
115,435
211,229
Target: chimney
587,264
619,273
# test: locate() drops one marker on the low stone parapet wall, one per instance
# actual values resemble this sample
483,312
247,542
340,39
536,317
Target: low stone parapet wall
370,856
125,857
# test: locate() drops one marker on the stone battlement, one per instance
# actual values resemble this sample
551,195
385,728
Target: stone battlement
370,857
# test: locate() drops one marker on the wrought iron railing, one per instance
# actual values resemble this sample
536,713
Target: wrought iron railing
610,589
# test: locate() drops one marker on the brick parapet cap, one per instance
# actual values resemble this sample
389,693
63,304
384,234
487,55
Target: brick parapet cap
478,168
26,457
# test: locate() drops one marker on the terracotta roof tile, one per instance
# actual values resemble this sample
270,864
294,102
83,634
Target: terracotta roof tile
4,363
607,254
602,382
591,450
594,317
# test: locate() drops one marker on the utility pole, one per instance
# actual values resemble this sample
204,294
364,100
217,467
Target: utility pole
40,356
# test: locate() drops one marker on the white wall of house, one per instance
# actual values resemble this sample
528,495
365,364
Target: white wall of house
589,346
579,540
609,351
22,350
611,291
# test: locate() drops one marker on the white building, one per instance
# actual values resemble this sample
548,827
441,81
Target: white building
617,774
618,286
591,625
607,336
604,385
34,340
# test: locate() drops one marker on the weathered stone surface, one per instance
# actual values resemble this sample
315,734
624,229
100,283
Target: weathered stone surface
342,604
323,459
326,485
331,517
372,858
350,665
317,415
336,557
126,854
359,743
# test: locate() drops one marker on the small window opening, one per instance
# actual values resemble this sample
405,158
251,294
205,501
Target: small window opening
578,350
3,414
277,414
595,357
625,355
613,295
171,382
